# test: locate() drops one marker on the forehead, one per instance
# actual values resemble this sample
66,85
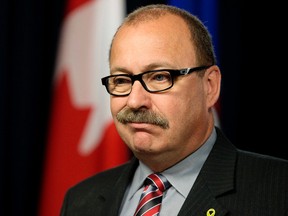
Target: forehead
165,38
167,26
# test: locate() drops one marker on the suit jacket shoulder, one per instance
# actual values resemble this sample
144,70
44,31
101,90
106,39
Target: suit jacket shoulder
236,182
231,182
100,194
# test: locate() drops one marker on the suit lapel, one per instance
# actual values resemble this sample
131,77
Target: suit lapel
113,197
200,200
215,179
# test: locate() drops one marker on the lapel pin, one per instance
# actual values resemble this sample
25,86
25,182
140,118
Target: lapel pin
211,212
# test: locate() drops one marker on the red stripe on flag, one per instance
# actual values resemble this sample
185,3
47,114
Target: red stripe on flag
73,4
73,152
65,166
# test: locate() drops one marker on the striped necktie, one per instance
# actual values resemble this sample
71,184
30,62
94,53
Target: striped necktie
151,198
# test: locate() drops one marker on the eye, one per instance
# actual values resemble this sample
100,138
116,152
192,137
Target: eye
121,80
161,76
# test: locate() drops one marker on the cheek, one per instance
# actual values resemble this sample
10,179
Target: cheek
186,106
116,104
174,109
179,112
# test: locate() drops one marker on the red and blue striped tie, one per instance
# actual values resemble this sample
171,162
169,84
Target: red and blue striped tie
151,198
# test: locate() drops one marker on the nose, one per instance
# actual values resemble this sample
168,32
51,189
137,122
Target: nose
138,97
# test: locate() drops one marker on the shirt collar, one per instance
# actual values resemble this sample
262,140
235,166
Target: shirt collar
182,175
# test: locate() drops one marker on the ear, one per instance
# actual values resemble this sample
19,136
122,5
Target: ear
212,80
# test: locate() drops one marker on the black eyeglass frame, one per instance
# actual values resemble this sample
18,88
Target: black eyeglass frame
173,72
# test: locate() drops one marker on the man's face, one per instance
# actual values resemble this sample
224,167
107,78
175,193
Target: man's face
163,43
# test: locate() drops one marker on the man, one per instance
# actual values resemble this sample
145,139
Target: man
163,84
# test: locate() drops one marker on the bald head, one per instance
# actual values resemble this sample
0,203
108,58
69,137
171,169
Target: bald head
198,33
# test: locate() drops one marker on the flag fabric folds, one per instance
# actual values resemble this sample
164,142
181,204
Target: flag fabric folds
82,138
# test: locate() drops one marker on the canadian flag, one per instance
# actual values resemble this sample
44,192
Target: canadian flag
82,138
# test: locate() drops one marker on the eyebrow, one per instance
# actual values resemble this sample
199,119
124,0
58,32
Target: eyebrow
152,66
119,69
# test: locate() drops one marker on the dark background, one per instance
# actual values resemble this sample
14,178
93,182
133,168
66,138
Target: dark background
252,57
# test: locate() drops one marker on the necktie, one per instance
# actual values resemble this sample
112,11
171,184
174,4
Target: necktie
151,198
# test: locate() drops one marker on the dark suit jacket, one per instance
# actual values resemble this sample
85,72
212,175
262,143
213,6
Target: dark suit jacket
232,182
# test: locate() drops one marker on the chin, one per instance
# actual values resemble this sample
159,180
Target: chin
144,152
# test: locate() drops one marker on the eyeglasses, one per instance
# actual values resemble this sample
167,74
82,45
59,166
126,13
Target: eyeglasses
152,81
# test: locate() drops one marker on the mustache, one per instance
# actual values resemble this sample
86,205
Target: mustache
128,115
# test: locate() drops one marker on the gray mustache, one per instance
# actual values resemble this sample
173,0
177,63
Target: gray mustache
141,116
